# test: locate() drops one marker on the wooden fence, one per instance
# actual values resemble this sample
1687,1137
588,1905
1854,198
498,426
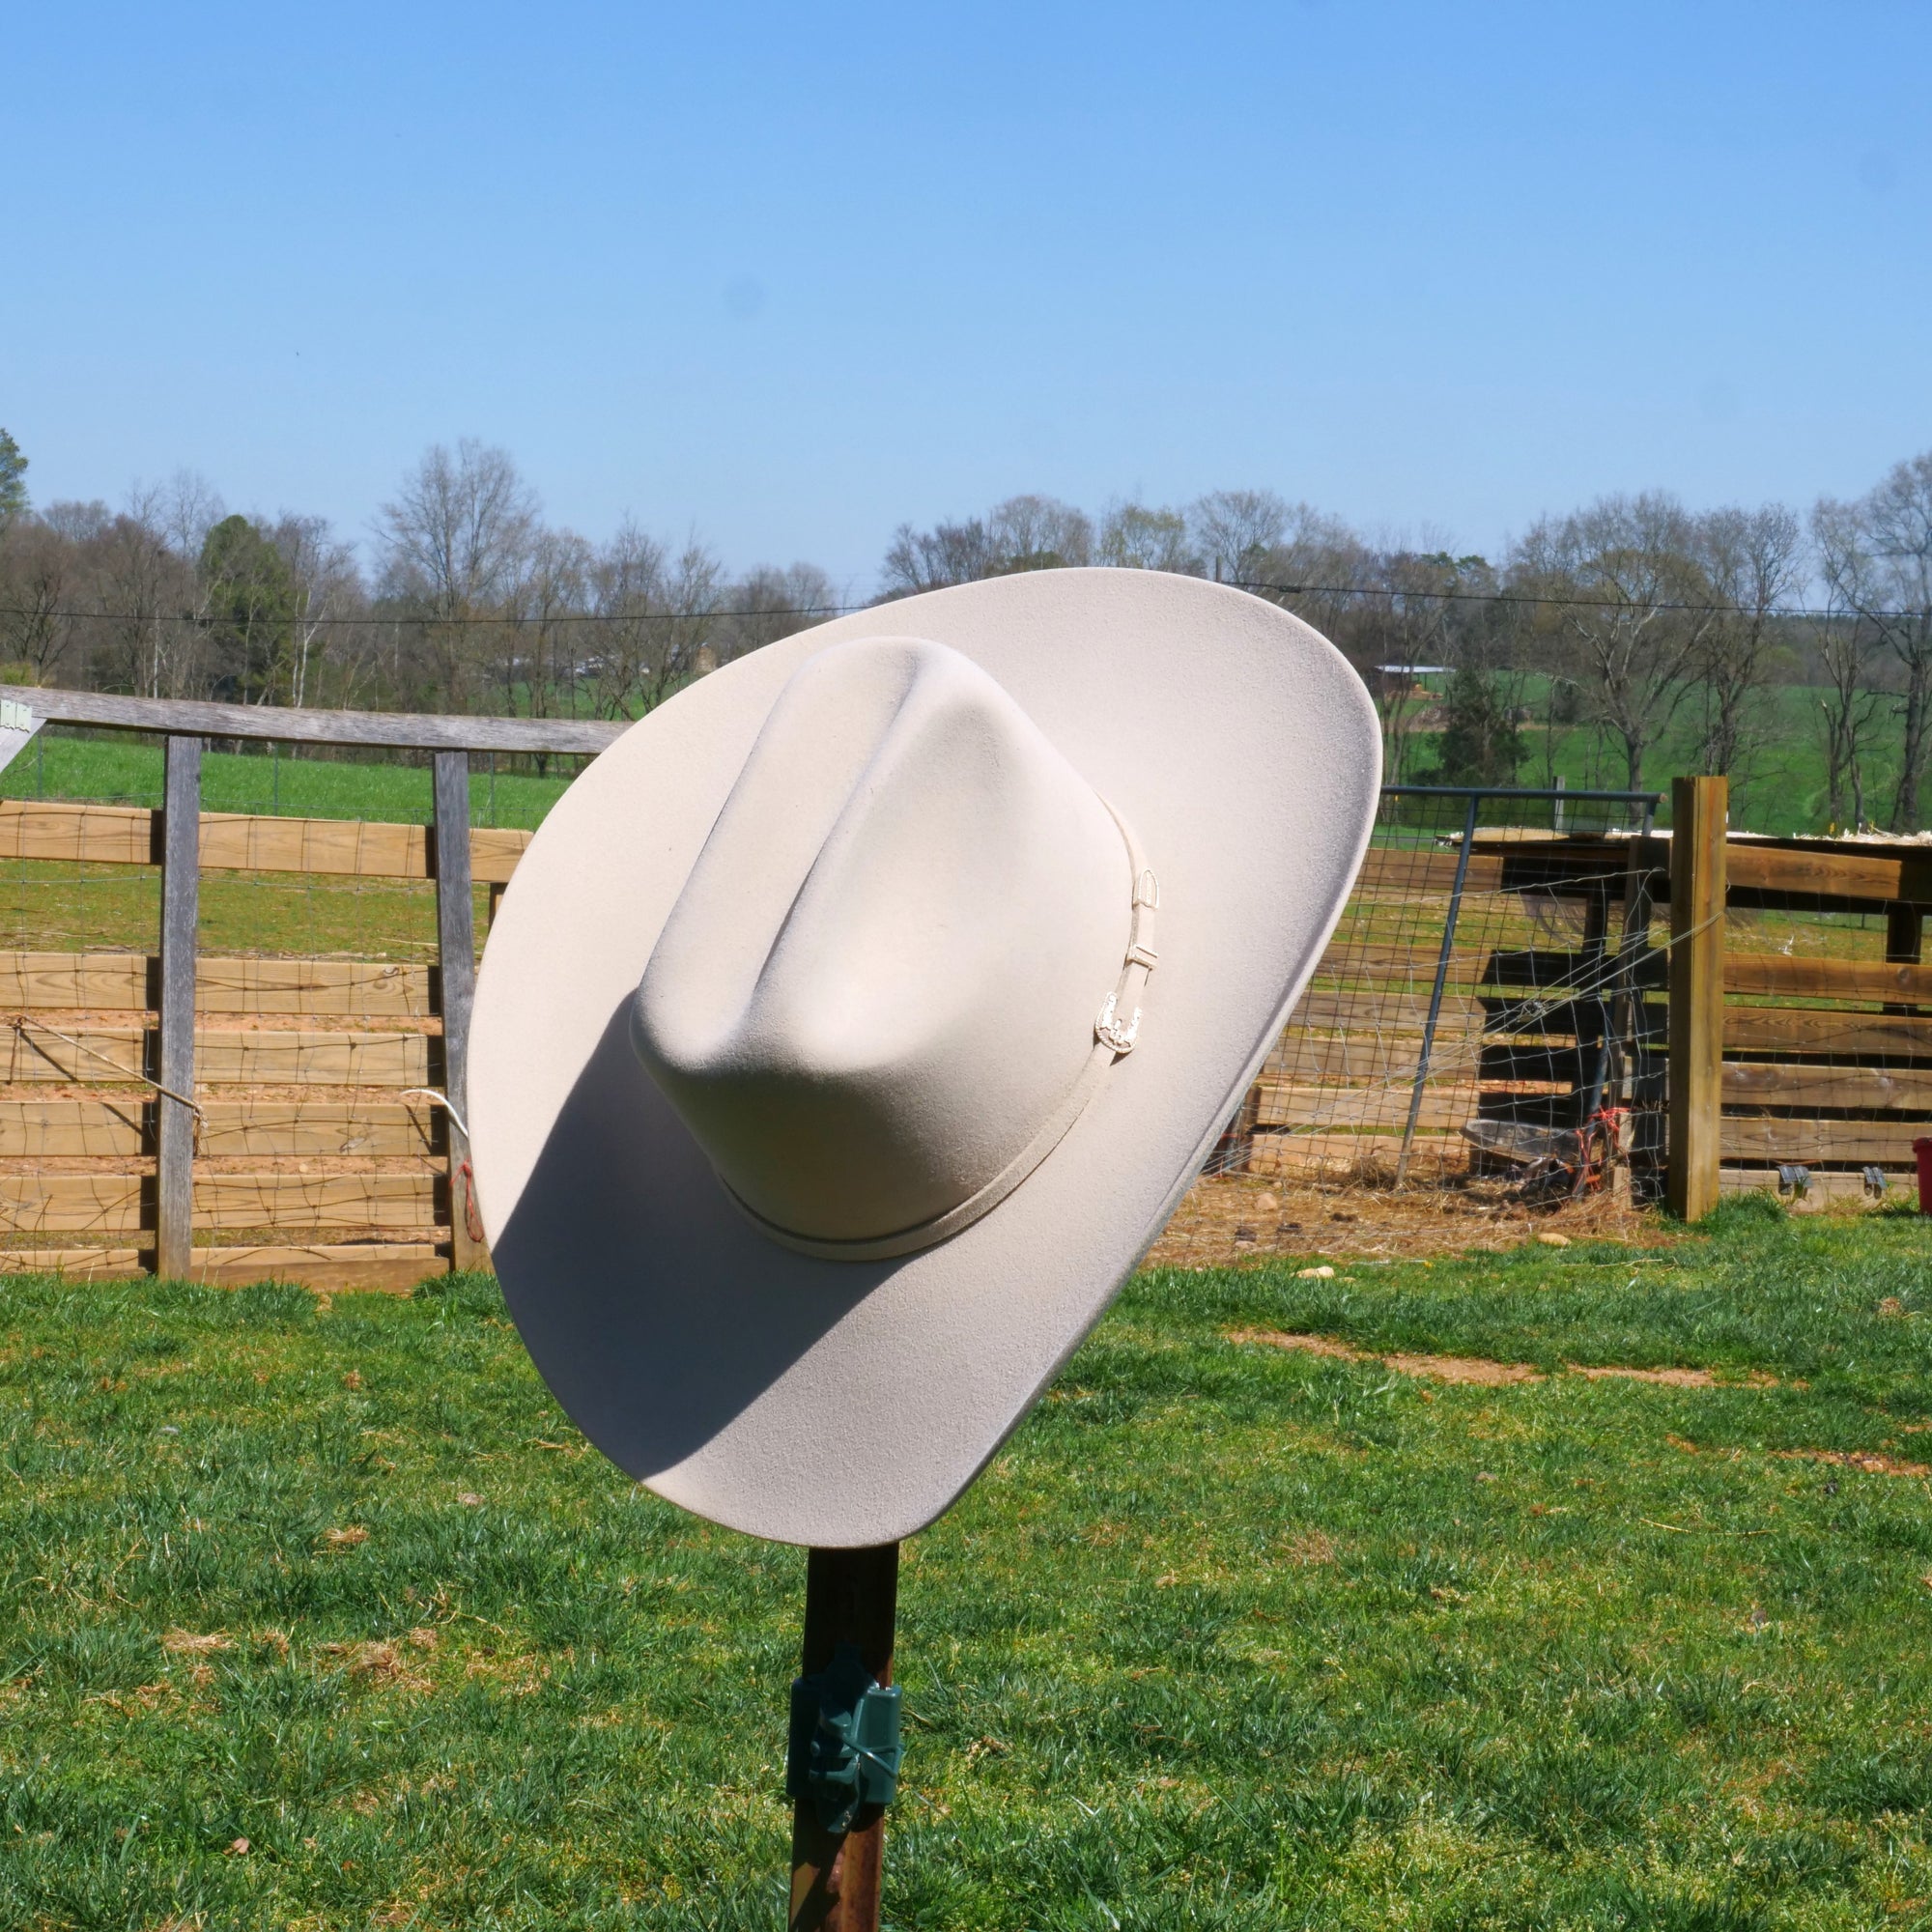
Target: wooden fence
234,1117
231,1119
1822,1060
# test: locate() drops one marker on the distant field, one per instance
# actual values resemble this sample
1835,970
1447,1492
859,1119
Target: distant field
127,771
1781,790
323,1616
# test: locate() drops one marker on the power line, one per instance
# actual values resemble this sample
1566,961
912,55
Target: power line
422,620
207,620
1574,603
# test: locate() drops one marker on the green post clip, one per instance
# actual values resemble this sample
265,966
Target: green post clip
845,1747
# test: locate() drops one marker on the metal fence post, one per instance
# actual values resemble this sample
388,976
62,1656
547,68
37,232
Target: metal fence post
1696,1057
456,952
1436,992
174,1048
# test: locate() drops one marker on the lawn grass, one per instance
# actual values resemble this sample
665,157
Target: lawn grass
1228,1636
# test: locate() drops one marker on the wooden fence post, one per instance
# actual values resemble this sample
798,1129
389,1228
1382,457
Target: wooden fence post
1698,808
174,1048
456,950
851,1596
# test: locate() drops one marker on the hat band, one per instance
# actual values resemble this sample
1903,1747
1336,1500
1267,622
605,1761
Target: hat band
1116,1032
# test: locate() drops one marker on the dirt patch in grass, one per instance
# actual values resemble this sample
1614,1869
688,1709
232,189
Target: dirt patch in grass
1868,1461
1225,1220
1477,1370
1439,1368
1463,1368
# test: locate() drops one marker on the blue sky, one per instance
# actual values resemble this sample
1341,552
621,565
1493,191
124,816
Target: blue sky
788,275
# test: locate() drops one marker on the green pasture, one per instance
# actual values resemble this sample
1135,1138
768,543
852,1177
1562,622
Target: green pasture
125,769
1781,789
321,1615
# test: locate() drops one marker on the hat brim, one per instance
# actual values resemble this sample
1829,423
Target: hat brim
844,1402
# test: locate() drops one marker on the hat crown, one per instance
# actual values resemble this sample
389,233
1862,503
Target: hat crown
881,977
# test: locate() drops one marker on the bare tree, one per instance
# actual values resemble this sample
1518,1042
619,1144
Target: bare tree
656,614
326,586
534,652
1624,585
40,575
1847,642
454,543
1136,537
768,604
1328,569
1753,560
1879,565
1037,534
1235,530
931,559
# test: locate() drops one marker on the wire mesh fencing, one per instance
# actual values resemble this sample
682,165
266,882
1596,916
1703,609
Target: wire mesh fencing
1482,1038
319,1144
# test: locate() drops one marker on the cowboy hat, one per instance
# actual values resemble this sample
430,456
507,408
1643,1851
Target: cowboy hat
854,1023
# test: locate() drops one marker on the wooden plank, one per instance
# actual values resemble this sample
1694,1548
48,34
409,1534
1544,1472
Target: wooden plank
71,1203
261,1057
1400,870
89,1056
246,841
69,1129
268,1130
389,1267
119,982
1381,1108
392,1268
1854,1089
353,988
1840,1033
120,835
1773,1138
456,958
113,834
317,1200
1370,1010
493,852
1827,1190
1773,976
114,980
268,1058
401,729
95,1263
1782,873
1307,1056
1337,1154
364,848
174,1046
1698,898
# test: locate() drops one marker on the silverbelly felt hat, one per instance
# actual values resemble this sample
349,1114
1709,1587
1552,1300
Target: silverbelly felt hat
853,1024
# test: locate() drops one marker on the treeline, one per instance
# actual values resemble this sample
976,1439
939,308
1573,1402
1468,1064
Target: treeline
470,602
1634,620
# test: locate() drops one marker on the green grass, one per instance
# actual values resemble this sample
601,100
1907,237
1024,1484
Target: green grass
1780,790
1228,1636
127,771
